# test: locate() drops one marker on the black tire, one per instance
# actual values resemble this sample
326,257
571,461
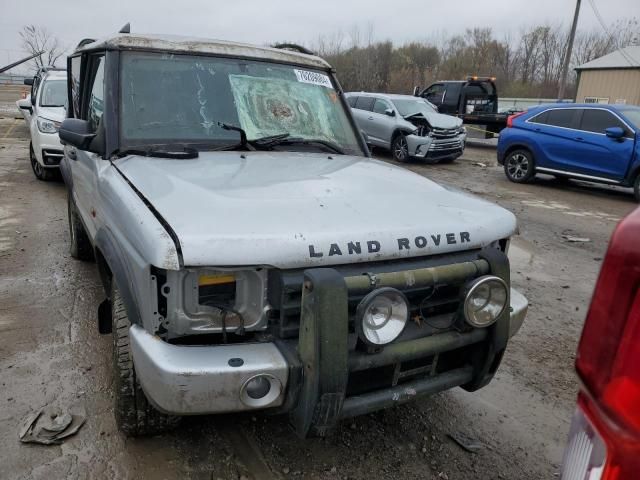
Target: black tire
41,173
134,414
400,148
636,188
79,244
519,166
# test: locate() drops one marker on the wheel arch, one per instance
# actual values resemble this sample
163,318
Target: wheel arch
112,268
518,146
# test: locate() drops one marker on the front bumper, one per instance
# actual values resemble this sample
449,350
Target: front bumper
189,380
48,149
434,148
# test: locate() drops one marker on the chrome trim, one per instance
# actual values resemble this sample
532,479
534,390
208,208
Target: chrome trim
187,380
518,306
577,129
577,175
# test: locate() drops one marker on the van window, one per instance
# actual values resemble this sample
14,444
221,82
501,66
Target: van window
365,103
75,86
352,101
95,107
380,106
562,117
597,121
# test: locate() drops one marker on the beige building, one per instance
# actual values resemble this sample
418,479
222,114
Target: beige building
614,78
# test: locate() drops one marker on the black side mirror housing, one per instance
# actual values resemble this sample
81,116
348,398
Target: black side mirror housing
76,132
390,113
28,81
614,132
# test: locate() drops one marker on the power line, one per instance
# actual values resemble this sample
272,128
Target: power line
626,55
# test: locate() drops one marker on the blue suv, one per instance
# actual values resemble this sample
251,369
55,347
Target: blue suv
597,143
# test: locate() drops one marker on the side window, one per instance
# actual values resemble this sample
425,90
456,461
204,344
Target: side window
597,121
95,101
434,93
562,117
34,88
74,92
379,106
365,103
352,101
540,118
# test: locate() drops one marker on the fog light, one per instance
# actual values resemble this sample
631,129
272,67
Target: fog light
260,390
485,300
258,387
381,316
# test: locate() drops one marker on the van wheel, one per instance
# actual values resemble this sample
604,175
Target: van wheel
400,148
134,415
519,167
636,188
39,171
79,244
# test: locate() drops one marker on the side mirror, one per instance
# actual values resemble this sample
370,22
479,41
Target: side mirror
416,91
74,131
614,132
25,104
390,112
28,81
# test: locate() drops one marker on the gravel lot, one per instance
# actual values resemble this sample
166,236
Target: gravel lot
50,352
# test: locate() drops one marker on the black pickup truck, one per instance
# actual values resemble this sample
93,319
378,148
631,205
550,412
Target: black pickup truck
475,100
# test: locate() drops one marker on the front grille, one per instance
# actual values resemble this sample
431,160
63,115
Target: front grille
445,145
434,308
52,157
444,132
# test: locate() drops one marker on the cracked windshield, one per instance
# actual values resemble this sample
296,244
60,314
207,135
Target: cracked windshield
187,99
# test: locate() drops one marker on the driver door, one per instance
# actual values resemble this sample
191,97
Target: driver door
85,165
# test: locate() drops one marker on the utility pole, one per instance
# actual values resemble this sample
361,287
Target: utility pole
567,57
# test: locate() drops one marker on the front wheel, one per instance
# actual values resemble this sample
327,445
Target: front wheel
400,148
134,415
39,171
518,166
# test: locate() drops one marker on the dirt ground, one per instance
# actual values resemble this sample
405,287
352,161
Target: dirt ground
50,352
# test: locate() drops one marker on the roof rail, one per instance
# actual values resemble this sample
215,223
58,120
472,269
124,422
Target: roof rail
295,47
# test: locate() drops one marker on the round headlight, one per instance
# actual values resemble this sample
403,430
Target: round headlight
381,316
486,299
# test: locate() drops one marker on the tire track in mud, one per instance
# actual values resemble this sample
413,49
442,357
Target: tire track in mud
249,457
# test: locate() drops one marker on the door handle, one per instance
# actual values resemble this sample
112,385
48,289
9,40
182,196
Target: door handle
72,154
370,118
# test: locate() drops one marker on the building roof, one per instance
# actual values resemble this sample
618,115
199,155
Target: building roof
628,57
192,45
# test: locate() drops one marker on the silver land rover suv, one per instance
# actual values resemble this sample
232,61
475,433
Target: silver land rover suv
254,256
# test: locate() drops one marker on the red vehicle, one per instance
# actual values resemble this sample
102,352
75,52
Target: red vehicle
604,441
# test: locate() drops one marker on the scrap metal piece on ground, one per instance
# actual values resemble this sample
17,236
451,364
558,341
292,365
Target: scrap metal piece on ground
466,443
50,425
571,238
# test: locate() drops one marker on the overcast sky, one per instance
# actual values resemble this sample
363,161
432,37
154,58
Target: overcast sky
264,21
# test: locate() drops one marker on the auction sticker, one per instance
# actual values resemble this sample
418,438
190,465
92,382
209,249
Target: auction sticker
314,78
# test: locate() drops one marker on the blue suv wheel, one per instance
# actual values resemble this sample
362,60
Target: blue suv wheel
518,166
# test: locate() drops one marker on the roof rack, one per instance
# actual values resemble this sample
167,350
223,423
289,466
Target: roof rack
293,46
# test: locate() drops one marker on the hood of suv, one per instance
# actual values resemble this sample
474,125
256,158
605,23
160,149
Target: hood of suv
290,210
437,120
57,114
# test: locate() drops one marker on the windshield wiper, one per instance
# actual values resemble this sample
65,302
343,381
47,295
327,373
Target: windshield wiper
307,141
167,151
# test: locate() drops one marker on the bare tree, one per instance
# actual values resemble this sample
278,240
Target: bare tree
36,39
